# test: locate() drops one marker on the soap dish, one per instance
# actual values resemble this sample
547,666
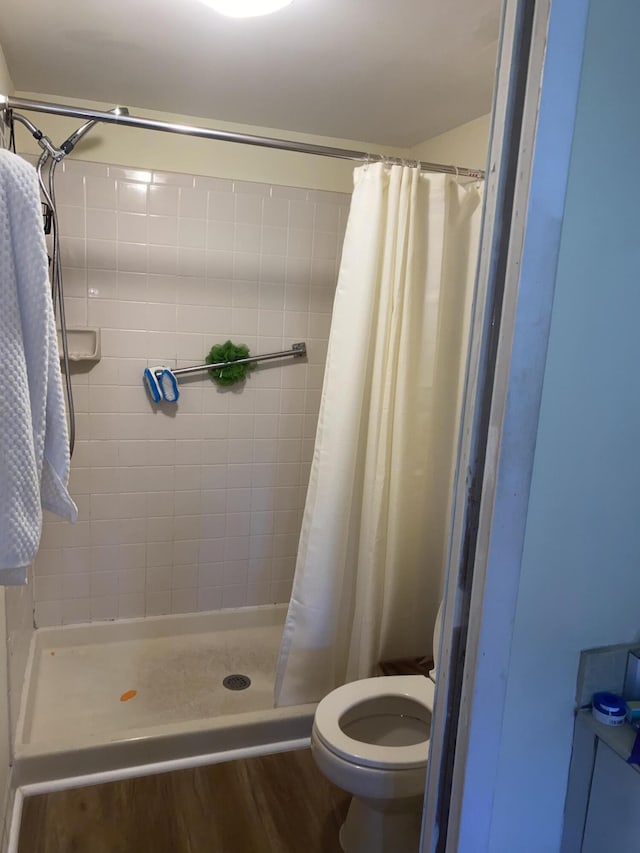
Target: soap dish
84,344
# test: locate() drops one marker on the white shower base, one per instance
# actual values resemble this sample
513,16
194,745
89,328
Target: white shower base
74,720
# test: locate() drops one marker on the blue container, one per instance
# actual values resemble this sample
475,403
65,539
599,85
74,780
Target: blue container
609,709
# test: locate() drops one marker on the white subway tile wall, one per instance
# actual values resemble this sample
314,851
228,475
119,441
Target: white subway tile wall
196,506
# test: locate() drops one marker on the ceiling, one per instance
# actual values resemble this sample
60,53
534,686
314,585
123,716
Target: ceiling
392,73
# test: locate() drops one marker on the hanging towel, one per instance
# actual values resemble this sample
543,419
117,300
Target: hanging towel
34,446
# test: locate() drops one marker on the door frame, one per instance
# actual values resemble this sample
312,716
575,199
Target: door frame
536,93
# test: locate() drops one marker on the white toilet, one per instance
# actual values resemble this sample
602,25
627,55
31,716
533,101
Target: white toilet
371,738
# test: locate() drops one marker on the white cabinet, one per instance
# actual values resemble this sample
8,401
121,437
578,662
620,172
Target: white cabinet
613,812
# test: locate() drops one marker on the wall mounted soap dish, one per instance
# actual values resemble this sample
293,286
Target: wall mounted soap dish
84,344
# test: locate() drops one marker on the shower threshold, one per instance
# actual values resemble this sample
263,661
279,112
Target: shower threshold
139,692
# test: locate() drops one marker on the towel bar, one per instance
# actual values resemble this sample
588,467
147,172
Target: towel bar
297,351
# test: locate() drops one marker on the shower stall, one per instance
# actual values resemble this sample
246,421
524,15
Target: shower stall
188,512
159,614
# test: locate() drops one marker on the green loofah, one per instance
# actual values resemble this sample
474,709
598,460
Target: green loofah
233,373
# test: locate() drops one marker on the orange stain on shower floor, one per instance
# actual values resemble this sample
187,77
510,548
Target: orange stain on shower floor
129,694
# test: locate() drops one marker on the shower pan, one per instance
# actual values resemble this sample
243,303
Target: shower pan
118,695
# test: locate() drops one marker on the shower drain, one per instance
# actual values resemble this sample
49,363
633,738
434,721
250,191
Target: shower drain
236,682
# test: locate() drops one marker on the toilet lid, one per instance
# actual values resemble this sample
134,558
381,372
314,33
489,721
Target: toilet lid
334,706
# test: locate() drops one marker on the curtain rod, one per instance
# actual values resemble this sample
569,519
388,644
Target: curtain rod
10,103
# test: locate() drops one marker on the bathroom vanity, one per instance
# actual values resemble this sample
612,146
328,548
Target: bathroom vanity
602,810
603,798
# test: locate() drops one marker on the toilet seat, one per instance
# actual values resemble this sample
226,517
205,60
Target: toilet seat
332,708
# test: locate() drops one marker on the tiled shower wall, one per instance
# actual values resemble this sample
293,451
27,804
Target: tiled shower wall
195,506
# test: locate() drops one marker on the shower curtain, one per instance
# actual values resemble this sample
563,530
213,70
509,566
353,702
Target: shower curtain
375,528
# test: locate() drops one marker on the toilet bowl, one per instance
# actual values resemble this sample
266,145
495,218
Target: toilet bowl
371,738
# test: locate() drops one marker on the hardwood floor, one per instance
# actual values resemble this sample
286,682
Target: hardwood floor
272,804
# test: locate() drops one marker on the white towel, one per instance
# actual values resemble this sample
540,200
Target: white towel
34,447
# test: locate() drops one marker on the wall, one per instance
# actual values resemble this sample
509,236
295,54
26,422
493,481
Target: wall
6,88
580,583
169,152
6,84
198,506
466,145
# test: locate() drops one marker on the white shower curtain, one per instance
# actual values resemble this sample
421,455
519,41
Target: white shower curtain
375,528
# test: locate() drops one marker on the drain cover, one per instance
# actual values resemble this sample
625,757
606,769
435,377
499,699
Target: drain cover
236,682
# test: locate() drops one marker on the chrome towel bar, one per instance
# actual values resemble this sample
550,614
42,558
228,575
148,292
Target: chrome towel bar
298,350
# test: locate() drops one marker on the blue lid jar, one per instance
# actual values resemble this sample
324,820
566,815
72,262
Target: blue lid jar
608,708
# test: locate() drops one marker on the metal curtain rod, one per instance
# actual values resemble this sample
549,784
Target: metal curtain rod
10,103
297,351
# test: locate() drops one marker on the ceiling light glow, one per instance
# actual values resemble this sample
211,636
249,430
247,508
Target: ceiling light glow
246,8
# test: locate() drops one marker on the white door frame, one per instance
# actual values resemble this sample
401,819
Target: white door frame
532,133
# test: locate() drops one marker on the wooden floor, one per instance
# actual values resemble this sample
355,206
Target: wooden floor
273,804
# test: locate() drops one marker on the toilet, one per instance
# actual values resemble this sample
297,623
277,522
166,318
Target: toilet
371,738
